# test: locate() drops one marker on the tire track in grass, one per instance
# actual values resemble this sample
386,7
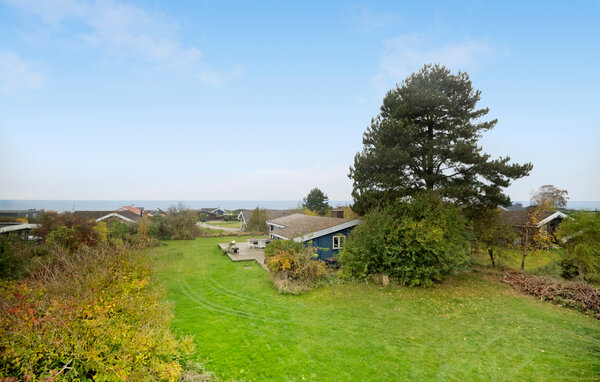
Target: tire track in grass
194,296
213,284
215,307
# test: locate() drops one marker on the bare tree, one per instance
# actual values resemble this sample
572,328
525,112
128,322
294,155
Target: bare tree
549,193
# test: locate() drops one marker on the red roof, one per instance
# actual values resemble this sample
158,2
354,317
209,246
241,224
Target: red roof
135,210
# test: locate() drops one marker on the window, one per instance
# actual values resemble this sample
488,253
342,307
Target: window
338,241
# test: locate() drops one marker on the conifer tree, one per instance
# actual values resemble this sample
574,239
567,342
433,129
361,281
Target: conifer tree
426,138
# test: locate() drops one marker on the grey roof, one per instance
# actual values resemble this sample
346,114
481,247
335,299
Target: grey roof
297,225
18,227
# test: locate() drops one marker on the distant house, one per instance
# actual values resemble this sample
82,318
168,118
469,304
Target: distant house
212,213
21,230
549,220
513,207
325,233
125,216
27,214
136,210
244,216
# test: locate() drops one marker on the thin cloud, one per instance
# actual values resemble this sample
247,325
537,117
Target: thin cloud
405,54
16,74
127,30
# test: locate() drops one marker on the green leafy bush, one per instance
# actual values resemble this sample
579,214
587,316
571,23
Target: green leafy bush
417,241
89,314
579,235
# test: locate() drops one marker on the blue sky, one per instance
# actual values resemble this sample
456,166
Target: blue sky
207,100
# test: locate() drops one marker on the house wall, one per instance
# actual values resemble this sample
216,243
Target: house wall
325,243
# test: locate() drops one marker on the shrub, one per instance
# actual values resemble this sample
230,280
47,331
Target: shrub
230,218
180,223
89,314
417,241
580,234
294,268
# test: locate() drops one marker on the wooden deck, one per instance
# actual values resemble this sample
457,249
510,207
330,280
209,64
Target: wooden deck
245,253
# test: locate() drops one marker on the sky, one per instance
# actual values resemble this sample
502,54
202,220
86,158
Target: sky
264,100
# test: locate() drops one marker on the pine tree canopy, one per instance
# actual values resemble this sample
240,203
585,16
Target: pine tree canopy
426,139
316,201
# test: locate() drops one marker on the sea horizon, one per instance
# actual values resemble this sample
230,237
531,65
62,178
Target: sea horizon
106,205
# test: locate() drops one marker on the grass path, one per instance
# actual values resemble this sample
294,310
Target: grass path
467,329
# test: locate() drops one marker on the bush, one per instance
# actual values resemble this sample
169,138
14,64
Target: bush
417,241
15,256
180,223
230,218
579,235
294,268
89,314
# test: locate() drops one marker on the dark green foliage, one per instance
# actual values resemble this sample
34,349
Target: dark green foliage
418,241
15,255
316,201
202,217
426,138
580,236
258,221
230,218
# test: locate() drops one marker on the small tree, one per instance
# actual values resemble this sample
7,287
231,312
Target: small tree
580,236
181,222
491,232
316,201
551,195
258,221
534,235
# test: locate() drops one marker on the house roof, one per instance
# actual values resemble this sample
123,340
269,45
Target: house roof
305,227
520,218
133,209
272,214
18,227
91,215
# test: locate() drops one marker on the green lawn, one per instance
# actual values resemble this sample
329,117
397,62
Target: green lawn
467,329
221,223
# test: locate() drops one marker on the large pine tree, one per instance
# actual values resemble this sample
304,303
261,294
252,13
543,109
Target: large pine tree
426,139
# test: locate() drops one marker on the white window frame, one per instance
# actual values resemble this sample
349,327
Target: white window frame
341,241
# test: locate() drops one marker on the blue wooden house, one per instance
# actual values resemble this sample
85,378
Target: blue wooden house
325,233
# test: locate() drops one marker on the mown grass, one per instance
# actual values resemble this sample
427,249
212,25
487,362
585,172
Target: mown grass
466,329
224,224
541,262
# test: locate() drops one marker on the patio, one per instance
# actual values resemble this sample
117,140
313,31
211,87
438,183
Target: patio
245,252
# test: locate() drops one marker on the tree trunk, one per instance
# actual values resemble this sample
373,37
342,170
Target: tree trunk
491,253
523,260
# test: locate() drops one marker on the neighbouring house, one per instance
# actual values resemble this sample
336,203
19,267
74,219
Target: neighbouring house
125,216
21,230
327,234
244,216
549,220
513,207
136,210
26,214
212,213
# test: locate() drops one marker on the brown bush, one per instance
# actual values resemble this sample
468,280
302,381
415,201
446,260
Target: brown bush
576,295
